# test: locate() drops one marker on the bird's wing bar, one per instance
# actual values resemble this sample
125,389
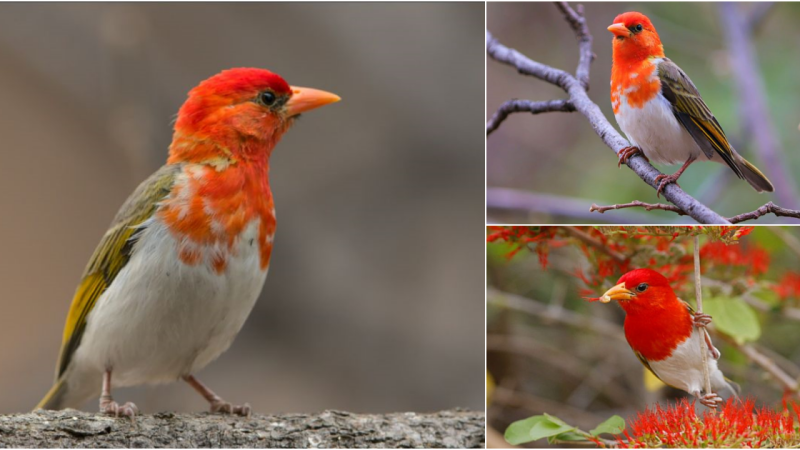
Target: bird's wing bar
692,112
111,255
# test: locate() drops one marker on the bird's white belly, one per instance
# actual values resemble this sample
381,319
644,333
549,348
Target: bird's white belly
161,319
684,368
655,129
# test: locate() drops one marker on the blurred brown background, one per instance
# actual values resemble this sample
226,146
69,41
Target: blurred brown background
560,154
374,300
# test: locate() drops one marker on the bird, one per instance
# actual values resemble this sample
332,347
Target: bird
660,110
666,334
176,275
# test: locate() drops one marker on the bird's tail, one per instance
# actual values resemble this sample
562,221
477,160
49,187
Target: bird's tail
55,397
758,180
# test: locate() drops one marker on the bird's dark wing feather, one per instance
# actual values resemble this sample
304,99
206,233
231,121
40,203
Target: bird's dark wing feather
692,112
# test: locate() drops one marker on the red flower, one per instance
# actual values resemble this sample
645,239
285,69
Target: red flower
789,286
738,424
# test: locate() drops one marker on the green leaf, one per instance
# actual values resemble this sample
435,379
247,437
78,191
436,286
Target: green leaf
568,436
535,428
769,296
613,425
733,317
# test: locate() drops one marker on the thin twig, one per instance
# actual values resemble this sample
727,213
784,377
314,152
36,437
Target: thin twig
580,100
766,363
763,211
698,295
578,23
635,203
572,231
554,205
752,102
516,106
769,208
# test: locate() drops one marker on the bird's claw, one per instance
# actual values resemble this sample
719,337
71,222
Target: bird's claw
710,400
112,408
664,181
224,407
627,152
701,320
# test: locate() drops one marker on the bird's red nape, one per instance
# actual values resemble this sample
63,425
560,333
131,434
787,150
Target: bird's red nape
656,320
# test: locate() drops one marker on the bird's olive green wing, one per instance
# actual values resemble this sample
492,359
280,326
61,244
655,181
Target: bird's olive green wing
692,112
111,255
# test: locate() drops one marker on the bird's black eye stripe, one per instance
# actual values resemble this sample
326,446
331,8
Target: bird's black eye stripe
641,287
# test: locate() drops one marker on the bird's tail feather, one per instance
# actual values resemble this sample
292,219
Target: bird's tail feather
55,397
758,180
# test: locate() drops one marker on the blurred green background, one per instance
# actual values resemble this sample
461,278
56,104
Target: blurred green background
559,153
542,365
373,302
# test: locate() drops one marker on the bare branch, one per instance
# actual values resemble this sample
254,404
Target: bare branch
580,100
572,231
515,106
558,205
763,211
635,203
766,363
578,23
753,108
698,297
769,208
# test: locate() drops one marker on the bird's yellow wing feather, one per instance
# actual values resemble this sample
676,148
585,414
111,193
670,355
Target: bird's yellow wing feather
693,113
111,255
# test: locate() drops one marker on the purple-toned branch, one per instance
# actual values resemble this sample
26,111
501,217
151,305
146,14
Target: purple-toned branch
753,110
583,104
637,203
516,106
769,208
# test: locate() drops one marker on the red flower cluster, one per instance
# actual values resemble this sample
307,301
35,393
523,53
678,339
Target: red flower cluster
789,286
738,425
754,259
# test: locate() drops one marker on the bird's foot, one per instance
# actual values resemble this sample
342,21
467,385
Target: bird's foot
710,400
221,406
627,152
665,180
110,407
701,320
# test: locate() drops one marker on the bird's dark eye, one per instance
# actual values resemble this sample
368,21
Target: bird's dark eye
638,28
267,98
642,287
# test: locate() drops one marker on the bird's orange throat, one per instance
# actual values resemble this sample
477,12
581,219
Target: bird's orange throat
634,82
657,328
212,204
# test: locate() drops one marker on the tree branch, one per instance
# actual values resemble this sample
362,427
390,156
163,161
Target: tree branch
587,239
331,429
753,108
767,364
515,106
769,208
580,100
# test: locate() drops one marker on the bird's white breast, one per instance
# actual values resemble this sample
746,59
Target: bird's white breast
654,128
161,319
684,368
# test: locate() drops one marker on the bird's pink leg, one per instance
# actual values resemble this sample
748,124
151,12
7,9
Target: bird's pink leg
625,154
710,400
701,321
217,403
109,406
667,179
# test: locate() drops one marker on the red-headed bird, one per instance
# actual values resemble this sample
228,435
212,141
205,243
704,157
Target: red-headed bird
665,333
174,278
660,110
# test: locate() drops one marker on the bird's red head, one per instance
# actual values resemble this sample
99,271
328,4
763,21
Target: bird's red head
635,38
240,110
640,290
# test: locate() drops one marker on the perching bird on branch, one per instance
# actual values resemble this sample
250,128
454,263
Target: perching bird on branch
665,333
660,110
174,278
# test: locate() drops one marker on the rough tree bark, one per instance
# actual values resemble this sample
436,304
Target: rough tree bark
331,429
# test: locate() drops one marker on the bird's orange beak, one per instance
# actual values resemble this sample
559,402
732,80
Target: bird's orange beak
617,292
619,30
305,99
